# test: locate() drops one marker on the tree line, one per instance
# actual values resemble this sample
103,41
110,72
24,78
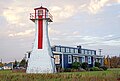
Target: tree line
112,62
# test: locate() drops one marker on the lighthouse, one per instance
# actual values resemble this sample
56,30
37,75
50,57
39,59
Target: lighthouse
41,59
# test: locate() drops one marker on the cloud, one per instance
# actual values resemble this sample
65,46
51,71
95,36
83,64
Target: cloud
96,5
118,1
53,31
12,14
76,33
118,16
25,33
76,39
82,6
96,41
62,13
17,12
112,43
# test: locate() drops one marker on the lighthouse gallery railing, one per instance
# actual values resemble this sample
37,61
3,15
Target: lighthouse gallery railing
34,16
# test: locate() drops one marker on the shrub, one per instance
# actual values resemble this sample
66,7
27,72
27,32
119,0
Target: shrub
97,64
84,65
76,65
95,69
104,68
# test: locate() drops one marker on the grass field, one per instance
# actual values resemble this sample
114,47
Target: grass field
109,75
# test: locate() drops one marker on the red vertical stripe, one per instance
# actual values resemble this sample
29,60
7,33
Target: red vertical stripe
40,32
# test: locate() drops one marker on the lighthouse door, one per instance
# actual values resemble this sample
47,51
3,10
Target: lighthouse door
40,29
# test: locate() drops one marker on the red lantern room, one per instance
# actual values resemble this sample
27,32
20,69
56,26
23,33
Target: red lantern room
41,13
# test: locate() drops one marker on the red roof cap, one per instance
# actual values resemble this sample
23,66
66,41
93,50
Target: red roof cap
40,8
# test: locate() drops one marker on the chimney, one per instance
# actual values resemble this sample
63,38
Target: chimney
79,49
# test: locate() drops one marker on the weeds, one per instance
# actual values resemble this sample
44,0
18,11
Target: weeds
111,75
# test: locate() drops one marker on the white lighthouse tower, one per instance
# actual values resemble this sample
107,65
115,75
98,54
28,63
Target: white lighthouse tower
41,59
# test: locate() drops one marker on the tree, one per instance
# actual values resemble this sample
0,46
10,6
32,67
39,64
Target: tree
114,61
23,63
1,64
15,64
84,65
107,61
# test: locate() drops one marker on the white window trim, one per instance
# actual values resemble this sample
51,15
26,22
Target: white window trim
89,60
70,62
83,59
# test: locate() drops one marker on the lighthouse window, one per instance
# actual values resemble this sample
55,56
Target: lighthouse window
40,12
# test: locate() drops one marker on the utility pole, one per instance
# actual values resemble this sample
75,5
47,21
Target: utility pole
100,51
1,60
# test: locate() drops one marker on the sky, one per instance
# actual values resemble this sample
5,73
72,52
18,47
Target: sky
93,24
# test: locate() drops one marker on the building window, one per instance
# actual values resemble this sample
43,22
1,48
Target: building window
93,53
57,59
75,59
89,60
89,52
62,49
67,50
82,51
76,50
83,59
72,50
69,59
86,52
58,49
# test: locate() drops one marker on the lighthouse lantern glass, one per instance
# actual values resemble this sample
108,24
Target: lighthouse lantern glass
41,12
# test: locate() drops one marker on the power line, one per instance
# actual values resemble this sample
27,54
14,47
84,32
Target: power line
100,42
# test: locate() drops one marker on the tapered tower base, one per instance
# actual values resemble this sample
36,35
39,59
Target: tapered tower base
41,59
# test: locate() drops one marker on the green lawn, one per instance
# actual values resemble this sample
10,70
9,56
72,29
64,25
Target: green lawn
109,75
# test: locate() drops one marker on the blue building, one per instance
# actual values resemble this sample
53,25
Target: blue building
65,56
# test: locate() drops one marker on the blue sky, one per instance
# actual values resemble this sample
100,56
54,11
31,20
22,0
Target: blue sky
94,24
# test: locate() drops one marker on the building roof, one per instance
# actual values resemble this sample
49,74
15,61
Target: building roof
72,47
